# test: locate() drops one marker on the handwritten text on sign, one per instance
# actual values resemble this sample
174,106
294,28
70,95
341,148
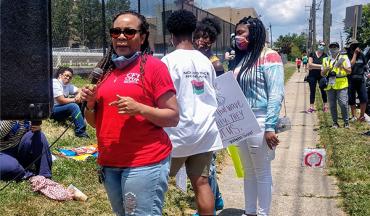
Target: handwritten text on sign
234,117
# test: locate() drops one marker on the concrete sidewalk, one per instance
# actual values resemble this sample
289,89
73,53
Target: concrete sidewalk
297,190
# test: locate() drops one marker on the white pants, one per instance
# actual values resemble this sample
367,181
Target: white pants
256,157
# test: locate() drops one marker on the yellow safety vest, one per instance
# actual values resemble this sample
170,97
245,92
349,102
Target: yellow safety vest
341,80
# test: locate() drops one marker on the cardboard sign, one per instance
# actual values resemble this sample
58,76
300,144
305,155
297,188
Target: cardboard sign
314,157
234,117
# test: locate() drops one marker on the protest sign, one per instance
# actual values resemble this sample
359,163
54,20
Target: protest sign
234,117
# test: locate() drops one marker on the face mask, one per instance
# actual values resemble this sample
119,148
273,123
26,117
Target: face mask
121,62
321,48
241,42
333,51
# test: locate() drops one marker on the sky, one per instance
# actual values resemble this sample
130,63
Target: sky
291,16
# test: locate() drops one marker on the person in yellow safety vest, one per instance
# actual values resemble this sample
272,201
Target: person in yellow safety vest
336,67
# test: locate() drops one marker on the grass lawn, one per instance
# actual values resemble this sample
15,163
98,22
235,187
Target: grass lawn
18,198
348,159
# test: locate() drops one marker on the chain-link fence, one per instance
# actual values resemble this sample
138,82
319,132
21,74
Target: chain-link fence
80,28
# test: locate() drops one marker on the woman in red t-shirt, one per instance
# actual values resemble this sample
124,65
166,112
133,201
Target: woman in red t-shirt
130,105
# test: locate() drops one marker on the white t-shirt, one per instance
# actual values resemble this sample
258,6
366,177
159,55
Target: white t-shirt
193,76
60,89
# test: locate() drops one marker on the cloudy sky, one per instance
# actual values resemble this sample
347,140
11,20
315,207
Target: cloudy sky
290,16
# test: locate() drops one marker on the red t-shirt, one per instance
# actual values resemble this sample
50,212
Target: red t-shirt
298,61
132,141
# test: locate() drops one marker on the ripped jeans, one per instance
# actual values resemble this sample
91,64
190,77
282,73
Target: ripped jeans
137,190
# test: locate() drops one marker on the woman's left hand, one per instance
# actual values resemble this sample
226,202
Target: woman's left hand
271,139
127,105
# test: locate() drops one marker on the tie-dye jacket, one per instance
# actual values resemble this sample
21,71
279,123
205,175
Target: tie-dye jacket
263,86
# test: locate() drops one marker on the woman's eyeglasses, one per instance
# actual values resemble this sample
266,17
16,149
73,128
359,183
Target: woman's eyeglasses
67,76
129,33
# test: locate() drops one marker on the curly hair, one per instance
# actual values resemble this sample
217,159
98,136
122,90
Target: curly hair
181,23
208,27
61,70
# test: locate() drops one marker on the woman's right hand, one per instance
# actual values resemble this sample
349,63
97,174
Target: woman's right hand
88,94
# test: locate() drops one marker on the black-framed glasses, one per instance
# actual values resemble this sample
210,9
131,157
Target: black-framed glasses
129,33
67,76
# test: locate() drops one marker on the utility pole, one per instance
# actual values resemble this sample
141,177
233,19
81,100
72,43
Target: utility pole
270,36
327,21
309,39
313,24
341,39
354,31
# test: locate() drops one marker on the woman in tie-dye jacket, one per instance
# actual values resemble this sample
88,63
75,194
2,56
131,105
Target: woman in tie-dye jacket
260,74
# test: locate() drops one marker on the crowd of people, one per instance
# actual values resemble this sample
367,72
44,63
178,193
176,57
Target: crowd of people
342,76
151,118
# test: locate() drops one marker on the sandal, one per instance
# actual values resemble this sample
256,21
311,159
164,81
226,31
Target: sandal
310,110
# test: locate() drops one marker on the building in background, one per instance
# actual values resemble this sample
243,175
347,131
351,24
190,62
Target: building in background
232,15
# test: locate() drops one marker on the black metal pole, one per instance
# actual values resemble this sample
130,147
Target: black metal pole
138,6
104,36
164,27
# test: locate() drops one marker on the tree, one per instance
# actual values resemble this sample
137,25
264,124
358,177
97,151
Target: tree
363,31
61,22
87,21
291,44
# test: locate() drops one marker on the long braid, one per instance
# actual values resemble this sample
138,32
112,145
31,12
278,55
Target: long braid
256,38
251,56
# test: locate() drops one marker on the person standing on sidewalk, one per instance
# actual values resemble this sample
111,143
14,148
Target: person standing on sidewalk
304,61
314,76
260,74
357,80
298,63
204,36
336,67
196,136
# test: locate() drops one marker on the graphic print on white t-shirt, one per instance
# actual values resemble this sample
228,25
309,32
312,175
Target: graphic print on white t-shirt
193,76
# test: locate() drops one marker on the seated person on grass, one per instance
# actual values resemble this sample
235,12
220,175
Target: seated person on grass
21,144
64,105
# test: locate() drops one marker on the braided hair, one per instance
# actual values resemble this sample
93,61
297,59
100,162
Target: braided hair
106,63
256,38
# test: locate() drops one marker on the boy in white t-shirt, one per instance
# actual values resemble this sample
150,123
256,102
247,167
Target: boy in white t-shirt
196,136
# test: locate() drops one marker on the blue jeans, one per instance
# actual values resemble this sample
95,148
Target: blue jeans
212,178
341,97
63,111
15,160
137,190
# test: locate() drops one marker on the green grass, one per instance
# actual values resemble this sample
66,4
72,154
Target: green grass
18,198
289,70
348,154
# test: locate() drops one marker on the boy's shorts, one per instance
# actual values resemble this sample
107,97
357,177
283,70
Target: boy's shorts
196,165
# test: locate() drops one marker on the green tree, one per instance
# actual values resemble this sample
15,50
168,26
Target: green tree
61,22
291,44
112,8
363,31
